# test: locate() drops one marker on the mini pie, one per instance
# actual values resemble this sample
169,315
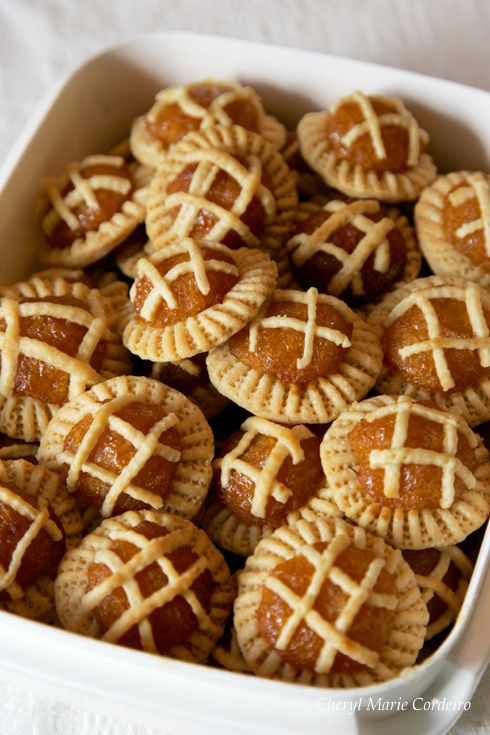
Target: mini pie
38,520
325,603
368,146
198,106
442,575
55,343
436,340
223,184
453,225
356,250
147,580
93,207
264,472
192,296
191,377
413,473
132,443
304,359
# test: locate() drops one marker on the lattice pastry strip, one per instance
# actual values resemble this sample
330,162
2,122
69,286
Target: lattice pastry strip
75,604
266,484
318,401
299,539
471,295
145,445
392,460
310,328
333,635
476,187
373,124
243,156
432,585
472,402
192,461
443,247
124,573
148,149
211,162
191,335
364,182
216,109
39,519
304,246
26,416
196,265
456,515
73,190
84,190
41,490
12,344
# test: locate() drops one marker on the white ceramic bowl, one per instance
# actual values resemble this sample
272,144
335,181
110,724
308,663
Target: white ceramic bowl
88,113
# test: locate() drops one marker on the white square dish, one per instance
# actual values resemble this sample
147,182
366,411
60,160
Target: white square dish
90,112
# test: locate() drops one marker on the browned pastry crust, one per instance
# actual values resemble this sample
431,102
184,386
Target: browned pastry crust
55,342
109,441
192,296
263,393
263,198
438,330
92,208
93,574
427,486
277,609
368,147
198,106
453,225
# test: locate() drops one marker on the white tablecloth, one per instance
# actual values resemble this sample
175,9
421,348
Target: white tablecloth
42,40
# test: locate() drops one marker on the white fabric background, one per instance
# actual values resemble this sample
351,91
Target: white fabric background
42,40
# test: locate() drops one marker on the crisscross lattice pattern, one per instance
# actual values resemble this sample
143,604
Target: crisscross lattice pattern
196,265
304,246
398,455
476,187
334,634
13,344
84,190
210,162
145,445
39,519
372,125
309,328
471,296
154,551
288,444
215,113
